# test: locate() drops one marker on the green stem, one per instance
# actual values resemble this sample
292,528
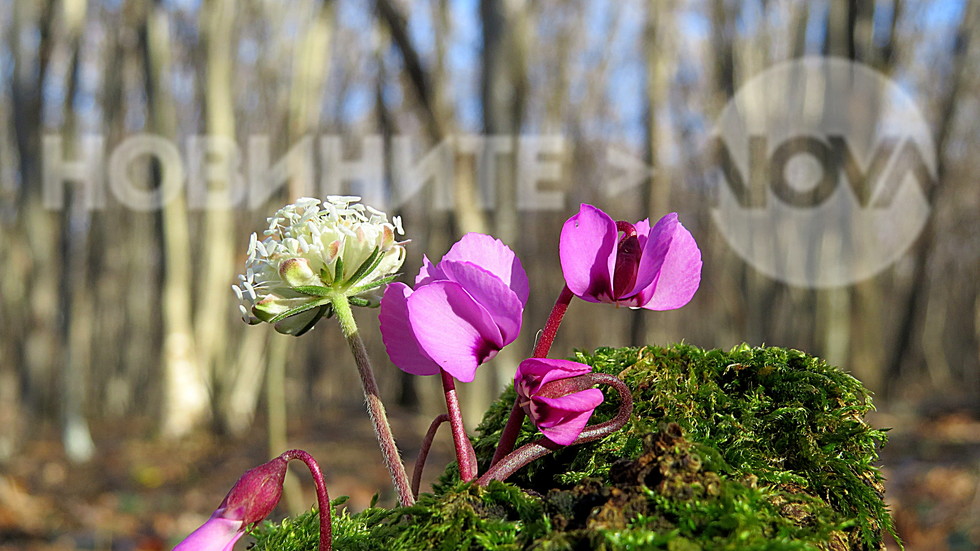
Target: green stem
376,409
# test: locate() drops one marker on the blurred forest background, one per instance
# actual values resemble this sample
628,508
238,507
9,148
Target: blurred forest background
132,396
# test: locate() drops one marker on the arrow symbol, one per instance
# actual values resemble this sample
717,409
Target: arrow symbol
629,172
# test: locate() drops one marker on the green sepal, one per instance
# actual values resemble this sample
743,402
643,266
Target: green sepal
313,290
370,263
338,273
300,309
358,301
373,285
323,310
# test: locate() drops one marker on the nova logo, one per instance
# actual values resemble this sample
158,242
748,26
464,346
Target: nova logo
822,171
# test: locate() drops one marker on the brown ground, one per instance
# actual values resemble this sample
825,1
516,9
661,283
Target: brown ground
142,494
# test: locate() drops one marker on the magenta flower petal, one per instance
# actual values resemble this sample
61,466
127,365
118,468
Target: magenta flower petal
217,534
541,371
499,300
634,265
495,257
464,309
398,336
562,419
587,250
557,396
452,328
652,258
680,271
428,273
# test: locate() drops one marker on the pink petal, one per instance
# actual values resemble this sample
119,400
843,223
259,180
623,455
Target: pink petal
680,272
453,329
493,256
587,249
545,370
217,534
651,259
561,420
428,272
502,303
399,338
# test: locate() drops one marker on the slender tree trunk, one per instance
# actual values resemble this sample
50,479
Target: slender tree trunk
76,298
656,194
909,323
186,398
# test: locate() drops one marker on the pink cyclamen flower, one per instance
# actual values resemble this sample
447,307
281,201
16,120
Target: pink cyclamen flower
558,396
250,500
462,312
635,265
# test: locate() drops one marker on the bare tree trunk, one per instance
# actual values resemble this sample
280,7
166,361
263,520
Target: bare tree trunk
656,195
915,304
186,397
39,347
77,302
833,330
503,86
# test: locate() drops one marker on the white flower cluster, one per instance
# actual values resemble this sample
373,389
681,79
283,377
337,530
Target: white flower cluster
313,248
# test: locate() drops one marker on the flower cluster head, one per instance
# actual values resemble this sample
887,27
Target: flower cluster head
462,311
250,500
558,396
635,265
313,249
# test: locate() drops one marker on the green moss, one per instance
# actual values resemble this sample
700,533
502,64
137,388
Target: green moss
755,448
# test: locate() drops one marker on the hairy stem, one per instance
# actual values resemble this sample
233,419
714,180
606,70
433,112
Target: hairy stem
465,456
376,409
527,453
424,451
322,497
513,427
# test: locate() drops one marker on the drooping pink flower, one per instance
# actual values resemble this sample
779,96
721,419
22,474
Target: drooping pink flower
557,395
250,500
462,311
635,265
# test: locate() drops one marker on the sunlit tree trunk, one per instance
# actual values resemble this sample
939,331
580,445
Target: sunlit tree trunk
76,297
657,51
905,353
36,333
186,397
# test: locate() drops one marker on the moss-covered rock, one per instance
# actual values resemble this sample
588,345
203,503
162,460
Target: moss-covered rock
755,448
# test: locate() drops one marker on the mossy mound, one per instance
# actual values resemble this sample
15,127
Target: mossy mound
756,448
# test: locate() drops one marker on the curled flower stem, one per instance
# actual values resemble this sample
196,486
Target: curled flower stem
513,427
322,497
376,409
424,451
465,456
527,453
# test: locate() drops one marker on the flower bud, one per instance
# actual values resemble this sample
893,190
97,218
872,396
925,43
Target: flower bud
558,396
250,500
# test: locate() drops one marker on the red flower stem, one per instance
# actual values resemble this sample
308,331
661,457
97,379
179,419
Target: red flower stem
322,497
424,452
513,427
465,456
542,447
543,345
